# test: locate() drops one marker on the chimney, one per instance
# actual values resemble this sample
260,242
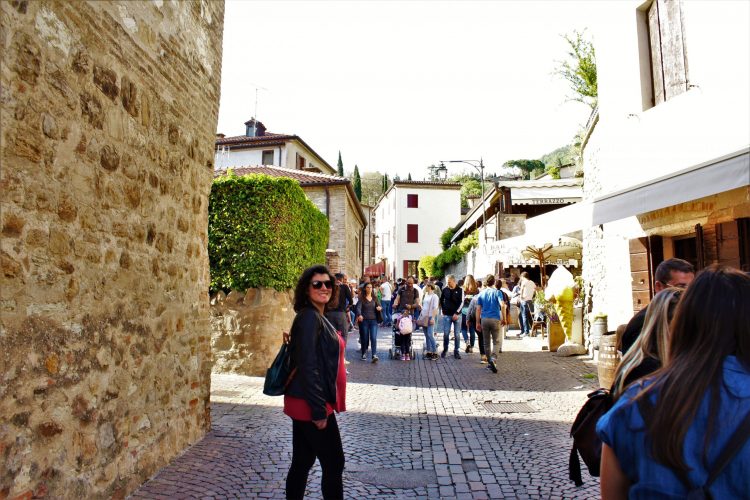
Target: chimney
254,128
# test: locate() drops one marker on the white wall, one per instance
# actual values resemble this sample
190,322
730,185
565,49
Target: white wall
244,157
704,123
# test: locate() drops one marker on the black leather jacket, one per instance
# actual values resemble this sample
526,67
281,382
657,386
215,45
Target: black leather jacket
315,354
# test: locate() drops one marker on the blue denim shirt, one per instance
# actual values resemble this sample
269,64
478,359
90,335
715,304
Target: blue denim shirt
622,428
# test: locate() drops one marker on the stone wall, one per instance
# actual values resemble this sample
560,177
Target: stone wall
108,117
246,329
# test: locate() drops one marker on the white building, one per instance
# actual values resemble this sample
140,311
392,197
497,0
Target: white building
409,219
666,167
259,147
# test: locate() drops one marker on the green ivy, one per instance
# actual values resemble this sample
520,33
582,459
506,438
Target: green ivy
454,254
262,232
427,268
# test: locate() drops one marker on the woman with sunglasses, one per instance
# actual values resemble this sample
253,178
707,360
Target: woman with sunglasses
317,388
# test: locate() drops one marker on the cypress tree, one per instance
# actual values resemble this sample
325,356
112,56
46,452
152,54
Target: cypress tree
341,166
357,183
409,178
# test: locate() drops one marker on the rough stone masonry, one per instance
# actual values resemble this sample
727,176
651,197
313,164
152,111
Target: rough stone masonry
108,117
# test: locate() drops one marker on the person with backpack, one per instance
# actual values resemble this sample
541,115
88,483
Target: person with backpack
684,433
407,301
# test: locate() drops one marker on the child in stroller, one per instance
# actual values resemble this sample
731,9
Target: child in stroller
403,326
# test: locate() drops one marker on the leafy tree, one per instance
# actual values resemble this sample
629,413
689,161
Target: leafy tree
579,69
526,166
357,183
470,188
341,166
372,187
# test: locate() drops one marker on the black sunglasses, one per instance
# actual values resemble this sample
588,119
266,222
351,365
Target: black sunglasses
320,284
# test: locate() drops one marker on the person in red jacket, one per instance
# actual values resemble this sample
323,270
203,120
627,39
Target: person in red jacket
317,388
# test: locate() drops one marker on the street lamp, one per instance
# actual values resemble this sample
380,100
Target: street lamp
477,165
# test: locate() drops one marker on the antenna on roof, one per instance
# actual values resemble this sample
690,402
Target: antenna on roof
255,116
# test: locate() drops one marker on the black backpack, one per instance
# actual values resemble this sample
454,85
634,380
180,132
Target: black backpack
733,446
585,440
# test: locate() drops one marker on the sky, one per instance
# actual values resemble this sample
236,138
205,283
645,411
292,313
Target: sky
397,85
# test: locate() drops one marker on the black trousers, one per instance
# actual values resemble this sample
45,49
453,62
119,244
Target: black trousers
309,443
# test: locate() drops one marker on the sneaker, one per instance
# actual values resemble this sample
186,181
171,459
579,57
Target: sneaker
468,349
346,361
484,359
364,357
456,355
407,358
492,366
374,359
442,354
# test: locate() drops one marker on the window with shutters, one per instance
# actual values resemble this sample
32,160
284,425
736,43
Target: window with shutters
300,162
663,54
412,233
412,201
267,157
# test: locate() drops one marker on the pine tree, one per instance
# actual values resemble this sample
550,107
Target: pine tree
409,178
357,183
341,166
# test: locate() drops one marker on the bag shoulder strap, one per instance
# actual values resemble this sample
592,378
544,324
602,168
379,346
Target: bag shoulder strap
733,446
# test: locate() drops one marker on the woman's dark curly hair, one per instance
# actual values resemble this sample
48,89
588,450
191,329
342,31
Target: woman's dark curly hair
302,299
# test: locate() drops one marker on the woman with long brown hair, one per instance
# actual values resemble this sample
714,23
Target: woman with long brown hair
318,386
468,332
649,352
667,436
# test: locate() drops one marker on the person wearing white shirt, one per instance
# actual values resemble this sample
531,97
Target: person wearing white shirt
429,314
386,302
528,289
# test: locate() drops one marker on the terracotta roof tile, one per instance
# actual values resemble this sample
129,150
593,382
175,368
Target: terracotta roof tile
301,176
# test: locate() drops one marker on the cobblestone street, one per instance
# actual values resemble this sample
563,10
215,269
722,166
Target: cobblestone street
418,429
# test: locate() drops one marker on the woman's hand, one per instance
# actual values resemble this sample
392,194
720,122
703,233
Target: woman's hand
379,308
320,424
360,318
285,336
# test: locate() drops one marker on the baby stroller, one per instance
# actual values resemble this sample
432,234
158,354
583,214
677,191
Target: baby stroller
401,341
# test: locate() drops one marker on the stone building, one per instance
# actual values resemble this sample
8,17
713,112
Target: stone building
666,157
335,197
259,147
108,118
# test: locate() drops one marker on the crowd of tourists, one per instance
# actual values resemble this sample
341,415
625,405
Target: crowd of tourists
679,422
477,311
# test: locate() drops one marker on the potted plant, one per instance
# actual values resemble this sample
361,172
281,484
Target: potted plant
555,332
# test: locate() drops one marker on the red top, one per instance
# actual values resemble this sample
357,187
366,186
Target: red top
298,409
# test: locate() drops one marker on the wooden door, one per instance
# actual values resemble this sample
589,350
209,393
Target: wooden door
728,244
645,254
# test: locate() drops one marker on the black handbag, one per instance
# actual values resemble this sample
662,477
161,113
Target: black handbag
280,374
378,314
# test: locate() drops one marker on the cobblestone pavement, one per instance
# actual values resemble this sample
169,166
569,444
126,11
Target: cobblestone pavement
413,429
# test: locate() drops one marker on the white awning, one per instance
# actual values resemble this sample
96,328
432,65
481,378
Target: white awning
716,176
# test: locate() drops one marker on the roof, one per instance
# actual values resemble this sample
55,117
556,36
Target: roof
542,183
267,139
304,178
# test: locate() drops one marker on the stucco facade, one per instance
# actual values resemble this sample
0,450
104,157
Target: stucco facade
641,141
438,208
